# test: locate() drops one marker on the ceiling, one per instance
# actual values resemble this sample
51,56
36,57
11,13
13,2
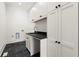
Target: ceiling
26,5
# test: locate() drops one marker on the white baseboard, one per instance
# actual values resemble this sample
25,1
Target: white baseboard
15,41
1,50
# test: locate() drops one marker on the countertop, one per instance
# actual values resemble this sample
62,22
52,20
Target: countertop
38,35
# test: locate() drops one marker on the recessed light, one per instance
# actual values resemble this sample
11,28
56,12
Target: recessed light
34,8
41,3
19,3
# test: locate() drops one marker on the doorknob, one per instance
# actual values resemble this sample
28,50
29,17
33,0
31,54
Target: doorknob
58,42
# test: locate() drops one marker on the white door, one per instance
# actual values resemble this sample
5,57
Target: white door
52,24
69,41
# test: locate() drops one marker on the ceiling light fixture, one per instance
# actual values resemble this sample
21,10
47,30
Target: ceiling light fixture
19,3
34,8
41,3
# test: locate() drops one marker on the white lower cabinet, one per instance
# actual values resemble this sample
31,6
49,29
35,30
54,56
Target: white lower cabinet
62,31
32,44
27,42
43,47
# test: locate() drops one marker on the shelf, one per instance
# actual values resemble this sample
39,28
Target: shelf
41,18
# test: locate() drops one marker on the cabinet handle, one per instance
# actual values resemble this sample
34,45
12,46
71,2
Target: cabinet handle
56,7
32,19
40,16
58,42
59,5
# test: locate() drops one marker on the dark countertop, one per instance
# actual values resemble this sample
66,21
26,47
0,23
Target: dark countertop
38,35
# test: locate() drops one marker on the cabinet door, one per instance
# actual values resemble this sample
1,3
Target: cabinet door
43,48
31,41
28,42
69,40
52,24
52,6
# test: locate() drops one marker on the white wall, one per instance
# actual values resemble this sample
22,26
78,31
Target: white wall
3,26
18,19
38,9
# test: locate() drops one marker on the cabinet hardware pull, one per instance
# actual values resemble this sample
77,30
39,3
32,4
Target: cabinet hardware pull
56,7
58,42
32,19
40,16
59,5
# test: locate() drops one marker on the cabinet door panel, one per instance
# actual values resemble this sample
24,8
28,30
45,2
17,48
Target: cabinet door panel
52,33
64,3
68,30
52,49
43,48
27,42
52,6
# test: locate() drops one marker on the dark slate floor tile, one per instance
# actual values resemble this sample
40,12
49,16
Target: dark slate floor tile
18,50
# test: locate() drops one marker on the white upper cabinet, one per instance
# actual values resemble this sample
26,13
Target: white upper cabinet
64,3
62,30
39,10
52,6
68,23
55,5
52,30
